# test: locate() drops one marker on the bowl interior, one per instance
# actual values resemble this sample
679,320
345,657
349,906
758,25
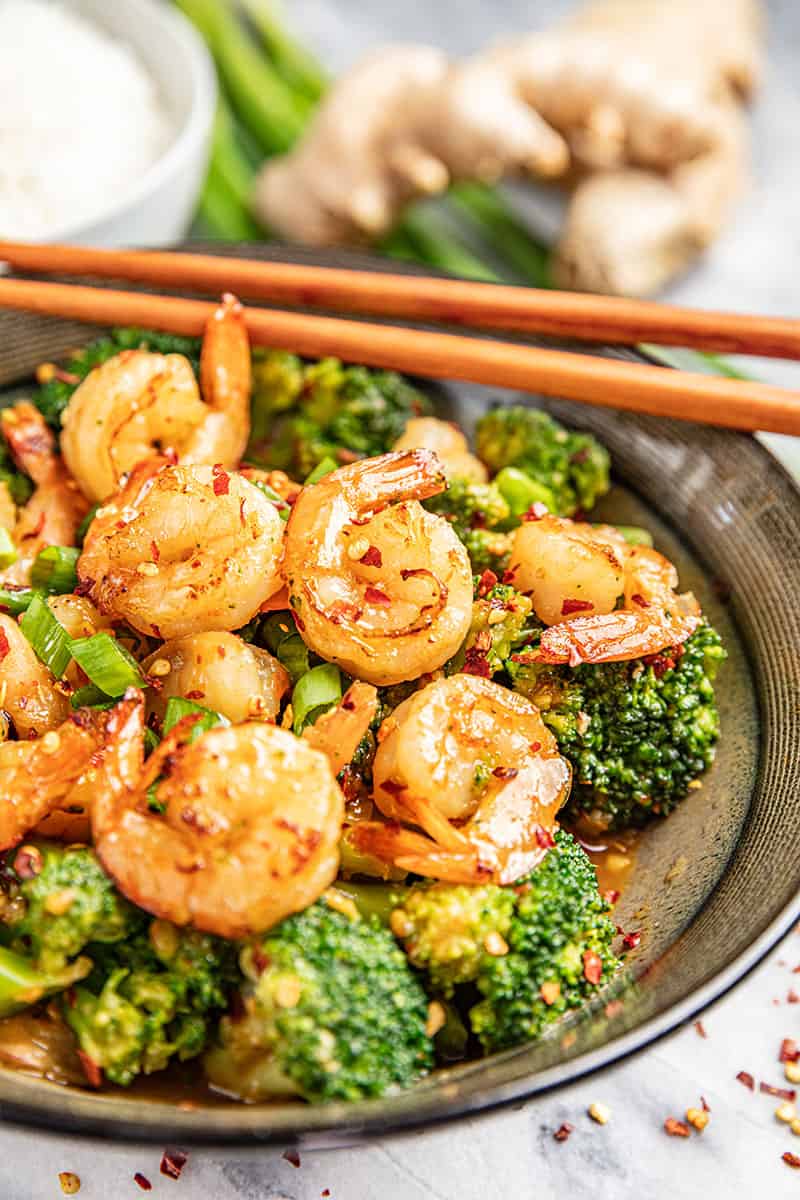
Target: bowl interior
714,885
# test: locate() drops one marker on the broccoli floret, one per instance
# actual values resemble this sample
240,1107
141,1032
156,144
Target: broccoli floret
574,466
153,999
637,733
305,412
500,617
533,951
479,516
59,900
332,1012
53,396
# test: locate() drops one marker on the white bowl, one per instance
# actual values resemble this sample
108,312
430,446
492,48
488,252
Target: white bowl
159,209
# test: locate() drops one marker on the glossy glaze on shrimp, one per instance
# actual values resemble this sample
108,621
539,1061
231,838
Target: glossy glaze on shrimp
220,671
230,832
138,404
55,510
575,575
180,550
475,767
377,584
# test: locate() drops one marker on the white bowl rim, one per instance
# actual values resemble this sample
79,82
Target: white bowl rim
185,140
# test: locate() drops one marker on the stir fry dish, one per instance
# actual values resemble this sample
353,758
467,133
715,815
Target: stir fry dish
307,713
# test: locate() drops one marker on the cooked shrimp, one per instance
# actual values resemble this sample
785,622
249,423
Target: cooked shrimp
248,829
221,672
448,443
55,510
183,550
465,750
576,573
50,775
339,733
138,404
377,584
8,509
29,693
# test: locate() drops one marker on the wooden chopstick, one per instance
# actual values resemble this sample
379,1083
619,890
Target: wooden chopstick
422,298
601,381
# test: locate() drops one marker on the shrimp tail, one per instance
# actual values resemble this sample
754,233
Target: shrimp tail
612,637
30,441
400,475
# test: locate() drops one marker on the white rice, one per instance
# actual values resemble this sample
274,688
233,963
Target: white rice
80,120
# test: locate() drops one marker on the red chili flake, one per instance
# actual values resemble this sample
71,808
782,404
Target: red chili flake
346,456
769,1089
485,584
789,1051
611,895
638,598
325,1192
292,1157
592,966
91,1070
155,553
563,1131
700,1029
65,376
544,838
172,1163
509,576
476,662
631,940
195,694
222,480
348,703
505,772
374,595
706,1106
156,631
143,1182
241,511
661,663
614,1008
791,1160
796,970
372,557
792,997
575,606
4,646
676,1128
535,747
536,512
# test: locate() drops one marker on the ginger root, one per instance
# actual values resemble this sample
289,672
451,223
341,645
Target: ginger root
636,105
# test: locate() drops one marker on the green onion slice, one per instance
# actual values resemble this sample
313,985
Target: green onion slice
314,693
54,569
83,528
178,708
322,469
48,636
283,506
107,663
8,551
16,600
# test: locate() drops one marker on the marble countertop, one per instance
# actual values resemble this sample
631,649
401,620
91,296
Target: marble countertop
513,1154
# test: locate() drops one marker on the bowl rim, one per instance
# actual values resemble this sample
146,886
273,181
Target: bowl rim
133,1119
186,140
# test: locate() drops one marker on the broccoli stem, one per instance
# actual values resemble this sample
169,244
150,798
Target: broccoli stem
22,983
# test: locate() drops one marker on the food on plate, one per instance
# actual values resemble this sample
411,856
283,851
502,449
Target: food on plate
637,105
299,720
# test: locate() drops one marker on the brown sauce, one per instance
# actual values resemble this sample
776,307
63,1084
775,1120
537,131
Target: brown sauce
613,855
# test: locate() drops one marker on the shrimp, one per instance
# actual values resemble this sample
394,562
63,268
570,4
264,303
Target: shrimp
475,767
377,584
138,404
220,671
339,733
247,830
572,568
55,510
29,693
51,779
182,550
449,445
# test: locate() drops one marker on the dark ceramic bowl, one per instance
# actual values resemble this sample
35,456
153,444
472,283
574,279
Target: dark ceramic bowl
715,885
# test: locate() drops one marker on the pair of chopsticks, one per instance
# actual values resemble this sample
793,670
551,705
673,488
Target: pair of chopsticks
594,380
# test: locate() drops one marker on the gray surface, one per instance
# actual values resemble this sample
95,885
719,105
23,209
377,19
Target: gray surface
513,1154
